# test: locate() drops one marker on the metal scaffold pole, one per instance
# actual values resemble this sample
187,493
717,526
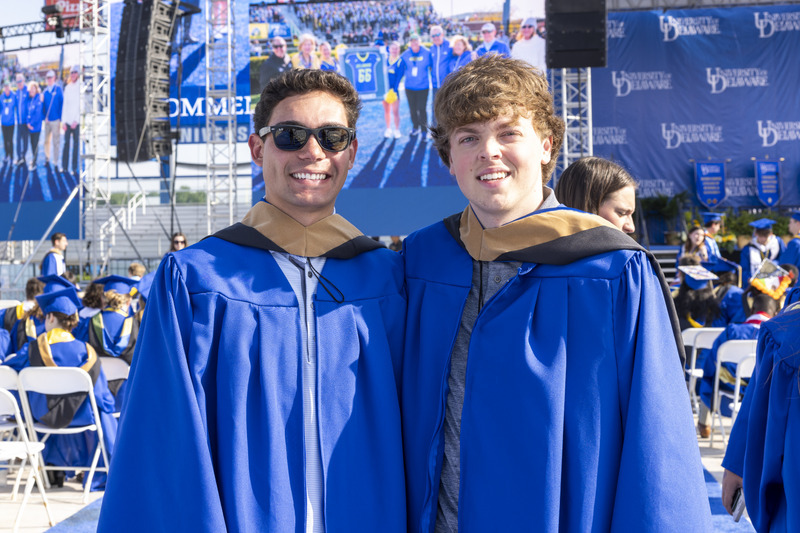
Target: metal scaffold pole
220,111
95,124
572,92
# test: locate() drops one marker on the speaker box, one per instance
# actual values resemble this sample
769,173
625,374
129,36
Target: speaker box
576,33
141,90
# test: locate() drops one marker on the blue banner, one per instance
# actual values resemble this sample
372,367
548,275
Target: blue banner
710,180
768,180
697,84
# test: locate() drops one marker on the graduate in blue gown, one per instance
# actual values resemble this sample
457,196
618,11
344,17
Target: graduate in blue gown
765,440
264,389
763,245
712,222
57,347
26,329
113,331
791,254
542,382
764,307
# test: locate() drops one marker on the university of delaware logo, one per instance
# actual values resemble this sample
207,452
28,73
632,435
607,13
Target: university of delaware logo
615,29
674,27
768,23
725,78
625,82
609,135
773,132
677,134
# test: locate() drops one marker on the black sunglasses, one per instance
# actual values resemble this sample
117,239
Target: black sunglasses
178,242
526,27
278,46
291,138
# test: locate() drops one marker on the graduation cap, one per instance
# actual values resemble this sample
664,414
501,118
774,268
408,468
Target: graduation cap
720,265
54,282
771,279
120,284
709,217
59,298
762,223
144,285
796,216
696,276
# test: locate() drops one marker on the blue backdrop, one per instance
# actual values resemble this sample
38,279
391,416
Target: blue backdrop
697,84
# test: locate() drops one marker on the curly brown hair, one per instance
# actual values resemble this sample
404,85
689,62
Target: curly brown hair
490,87
65,321
116,300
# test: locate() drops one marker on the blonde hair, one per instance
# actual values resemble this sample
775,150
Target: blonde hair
463,40
116,300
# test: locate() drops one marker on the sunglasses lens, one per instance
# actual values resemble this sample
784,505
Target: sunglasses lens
334,139
290,138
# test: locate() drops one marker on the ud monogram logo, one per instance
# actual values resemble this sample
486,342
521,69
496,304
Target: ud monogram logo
669,27
773,132
677,134
764,25
769,23
768,133
673,27
716,80
671,135
621,83
725,78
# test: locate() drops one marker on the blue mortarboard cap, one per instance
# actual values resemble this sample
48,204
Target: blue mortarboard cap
720,265
697,277
54,282
762,223
145,283
796,216
61,300
120,284
709,217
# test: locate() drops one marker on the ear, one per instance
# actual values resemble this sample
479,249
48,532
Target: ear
353,149
256,149
547,148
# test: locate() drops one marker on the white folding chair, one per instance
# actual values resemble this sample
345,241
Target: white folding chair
115,368
24,450
5,304
63,380
733,351
8,381
698,339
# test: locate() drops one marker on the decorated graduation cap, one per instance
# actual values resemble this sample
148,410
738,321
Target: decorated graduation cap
144,285
696,276
762,223
120,284
709,217
771,279
59,296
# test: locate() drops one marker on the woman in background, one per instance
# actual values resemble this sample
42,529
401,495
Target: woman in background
395,68
35,117
462,52
601,187
306,57
327,60
179,242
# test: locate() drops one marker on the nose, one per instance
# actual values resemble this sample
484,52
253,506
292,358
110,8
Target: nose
490,148
312,149
628,226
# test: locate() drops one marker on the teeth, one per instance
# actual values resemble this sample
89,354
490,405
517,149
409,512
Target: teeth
307,176
493,176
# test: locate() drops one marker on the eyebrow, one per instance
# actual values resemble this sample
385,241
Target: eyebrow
296,123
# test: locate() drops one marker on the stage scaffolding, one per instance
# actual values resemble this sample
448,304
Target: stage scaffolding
220,114
572,94
95,128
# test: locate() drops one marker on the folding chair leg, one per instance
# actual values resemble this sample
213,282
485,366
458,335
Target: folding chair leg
25,496
88,479
39,483
18,479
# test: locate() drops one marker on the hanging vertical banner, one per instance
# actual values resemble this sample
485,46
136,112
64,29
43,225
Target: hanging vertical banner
710,179
768,181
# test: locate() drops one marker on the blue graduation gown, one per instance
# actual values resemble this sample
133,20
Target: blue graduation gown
772,428
74,450
731,332
573,420
791,254
731,308
211,438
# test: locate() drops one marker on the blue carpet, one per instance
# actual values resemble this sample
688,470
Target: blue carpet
85,520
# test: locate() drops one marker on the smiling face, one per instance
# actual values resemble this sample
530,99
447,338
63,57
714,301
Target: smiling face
304,183
498,167
414,44
458,47
618,208
325,50
697,237
307,46
488,36
394,50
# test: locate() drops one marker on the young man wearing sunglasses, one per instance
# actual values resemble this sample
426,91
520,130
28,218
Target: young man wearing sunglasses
267,368
542,388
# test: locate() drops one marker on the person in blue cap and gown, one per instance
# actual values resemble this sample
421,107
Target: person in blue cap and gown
543,387
764,307
264,389
763,245
113,331
728,292
791,254
762,453
57,347
712,222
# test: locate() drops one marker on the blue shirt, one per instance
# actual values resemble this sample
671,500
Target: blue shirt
497,47
21,97
395,71
53,102
418,67
8,108
35,114
441,63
